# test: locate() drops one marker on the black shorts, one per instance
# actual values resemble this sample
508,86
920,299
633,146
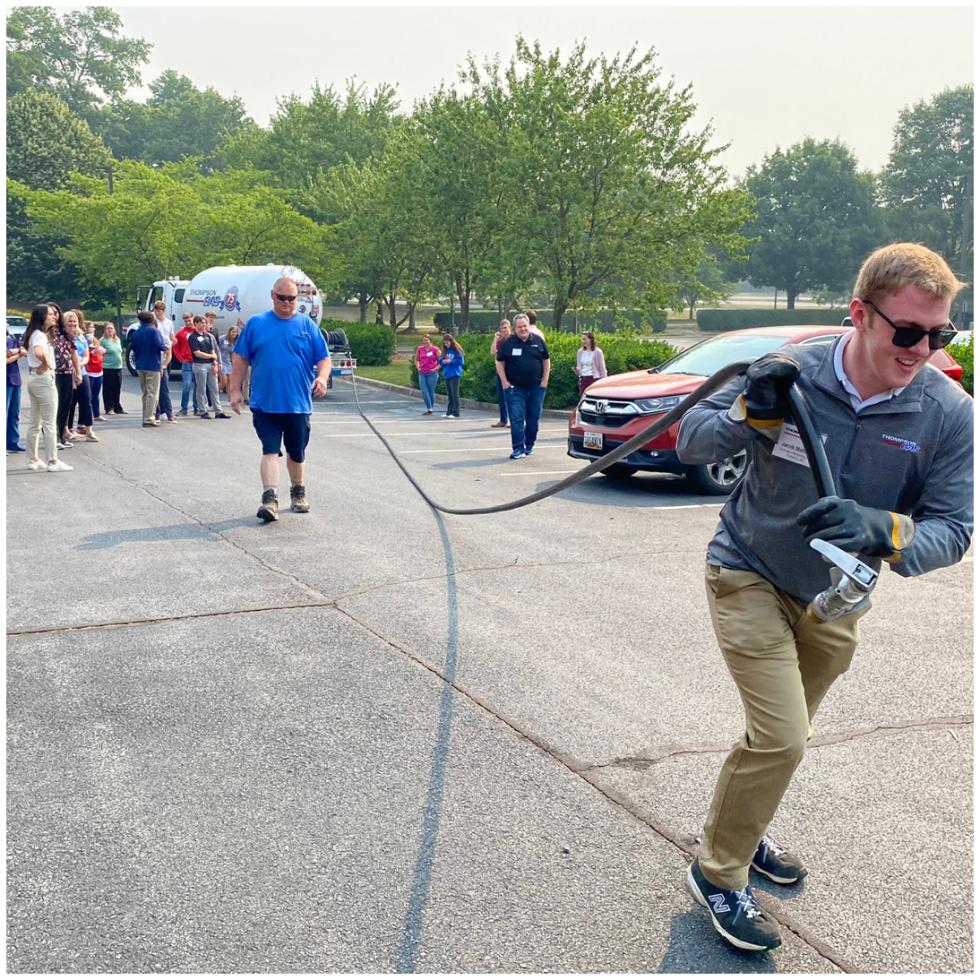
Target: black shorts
278,429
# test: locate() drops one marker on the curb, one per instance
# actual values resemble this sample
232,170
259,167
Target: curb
547,413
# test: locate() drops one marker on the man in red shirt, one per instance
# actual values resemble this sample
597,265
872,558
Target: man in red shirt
183,354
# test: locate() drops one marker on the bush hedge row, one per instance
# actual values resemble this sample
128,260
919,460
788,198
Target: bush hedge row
622,352
963,355
605,321
371,344
714,320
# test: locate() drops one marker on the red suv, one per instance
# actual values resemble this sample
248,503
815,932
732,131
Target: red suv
616,408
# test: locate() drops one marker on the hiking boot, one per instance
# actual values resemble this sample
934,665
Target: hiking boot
269,510
734,913
297,499
777,864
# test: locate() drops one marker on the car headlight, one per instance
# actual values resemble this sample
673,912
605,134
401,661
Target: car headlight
651,406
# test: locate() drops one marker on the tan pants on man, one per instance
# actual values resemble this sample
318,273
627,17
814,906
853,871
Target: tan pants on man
783,664
150,387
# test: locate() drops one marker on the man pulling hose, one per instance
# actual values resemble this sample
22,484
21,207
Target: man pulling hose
899,438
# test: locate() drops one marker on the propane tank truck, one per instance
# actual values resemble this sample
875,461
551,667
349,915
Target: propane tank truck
235,293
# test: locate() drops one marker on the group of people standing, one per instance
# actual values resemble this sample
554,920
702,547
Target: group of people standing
205,362
70,371
523,368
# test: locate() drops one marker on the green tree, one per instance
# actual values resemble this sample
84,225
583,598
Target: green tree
79,56
168,221
815,221
707,284
46,143
177,120
607,182
927,184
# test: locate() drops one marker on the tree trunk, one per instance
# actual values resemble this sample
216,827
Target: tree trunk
379,315
411,317
791,300
362,305
561,305
690,308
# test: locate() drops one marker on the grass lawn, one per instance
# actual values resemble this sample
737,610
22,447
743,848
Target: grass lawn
398,373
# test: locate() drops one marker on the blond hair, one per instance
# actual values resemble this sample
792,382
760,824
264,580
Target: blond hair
889,268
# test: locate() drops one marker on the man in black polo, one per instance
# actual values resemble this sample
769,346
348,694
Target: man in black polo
523,366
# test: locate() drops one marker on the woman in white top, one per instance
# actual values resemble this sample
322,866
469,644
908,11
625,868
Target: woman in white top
41,388
590,365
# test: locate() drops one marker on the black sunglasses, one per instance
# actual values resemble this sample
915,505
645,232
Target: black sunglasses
286,299
910,336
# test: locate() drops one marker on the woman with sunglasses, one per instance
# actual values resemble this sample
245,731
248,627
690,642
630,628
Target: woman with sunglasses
898,436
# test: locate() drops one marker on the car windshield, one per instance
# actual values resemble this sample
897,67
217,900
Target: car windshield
712,355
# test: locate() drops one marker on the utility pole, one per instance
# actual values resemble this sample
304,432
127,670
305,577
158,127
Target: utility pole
118,301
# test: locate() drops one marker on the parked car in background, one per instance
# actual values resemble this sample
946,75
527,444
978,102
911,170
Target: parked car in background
16,325
616,408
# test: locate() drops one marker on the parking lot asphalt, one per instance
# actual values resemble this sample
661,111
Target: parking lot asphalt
373,739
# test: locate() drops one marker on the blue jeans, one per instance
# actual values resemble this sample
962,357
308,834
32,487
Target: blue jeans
164,405
427,385
524,406
187,384
13,417
96,384
501,401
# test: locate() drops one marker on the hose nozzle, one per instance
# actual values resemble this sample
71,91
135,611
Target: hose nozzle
852,583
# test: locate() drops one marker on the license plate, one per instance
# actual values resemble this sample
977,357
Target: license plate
592,440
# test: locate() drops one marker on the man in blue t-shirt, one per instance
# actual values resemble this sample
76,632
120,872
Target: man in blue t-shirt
290,361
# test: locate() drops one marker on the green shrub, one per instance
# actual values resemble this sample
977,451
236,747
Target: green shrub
370,343
604,321
714,320
621,351
963,355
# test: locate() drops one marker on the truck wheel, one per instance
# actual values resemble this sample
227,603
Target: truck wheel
337,338
721,477
131,361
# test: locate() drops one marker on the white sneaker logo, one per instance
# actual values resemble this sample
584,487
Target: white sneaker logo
718,903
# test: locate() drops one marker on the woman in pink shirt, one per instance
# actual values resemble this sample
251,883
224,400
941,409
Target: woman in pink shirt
427,362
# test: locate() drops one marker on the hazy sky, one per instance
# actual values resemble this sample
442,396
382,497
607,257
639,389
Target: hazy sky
762,76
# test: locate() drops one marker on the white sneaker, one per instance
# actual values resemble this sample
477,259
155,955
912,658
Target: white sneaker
36,464
59,467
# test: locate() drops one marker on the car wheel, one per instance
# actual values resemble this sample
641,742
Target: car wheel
131,361
721,477
619,471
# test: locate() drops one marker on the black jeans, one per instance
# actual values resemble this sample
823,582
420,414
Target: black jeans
111,389
82,399
63,382
452,390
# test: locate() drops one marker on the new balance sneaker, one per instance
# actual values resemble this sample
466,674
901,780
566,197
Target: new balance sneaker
528,450
517,454
297,499
777,864
269,508
734,914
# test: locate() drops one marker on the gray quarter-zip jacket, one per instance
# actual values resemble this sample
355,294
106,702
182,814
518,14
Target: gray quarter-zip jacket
912,454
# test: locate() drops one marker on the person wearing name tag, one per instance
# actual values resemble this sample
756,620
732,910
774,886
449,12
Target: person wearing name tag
523,367
898,435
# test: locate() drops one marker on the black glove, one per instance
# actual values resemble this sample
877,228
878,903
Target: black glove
859,530
768,379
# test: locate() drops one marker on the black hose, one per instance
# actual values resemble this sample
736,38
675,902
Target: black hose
799,409
640,439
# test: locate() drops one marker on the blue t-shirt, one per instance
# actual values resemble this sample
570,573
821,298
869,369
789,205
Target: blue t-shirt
452,363
284,355
81,345
147,346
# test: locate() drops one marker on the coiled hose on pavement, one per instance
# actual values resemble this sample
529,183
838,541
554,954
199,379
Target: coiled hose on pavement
712,384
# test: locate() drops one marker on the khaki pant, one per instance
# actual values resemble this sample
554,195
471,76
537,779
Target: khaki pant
43,394
150,386
783,664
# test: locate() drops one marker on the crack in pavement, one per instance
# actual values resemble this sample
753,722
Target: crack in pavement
643,762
